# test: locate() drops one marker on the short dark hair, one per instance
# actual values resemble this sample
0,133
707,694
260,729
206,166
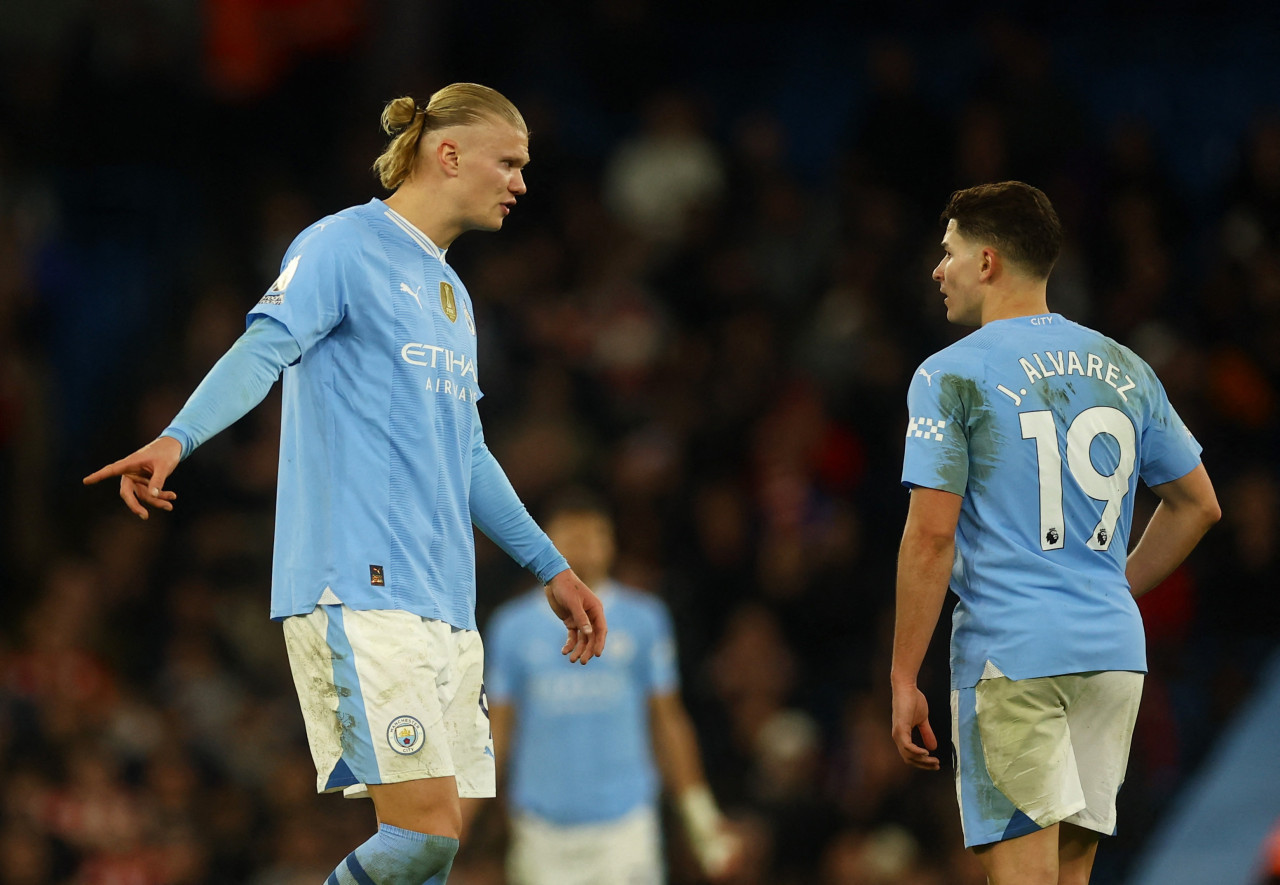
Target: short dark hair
1016,218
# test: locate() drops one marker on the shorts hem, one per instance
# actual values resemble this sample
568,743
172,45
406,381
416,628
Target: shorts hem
1093,825
1059,816
477,792
1024,826
395,777
334,786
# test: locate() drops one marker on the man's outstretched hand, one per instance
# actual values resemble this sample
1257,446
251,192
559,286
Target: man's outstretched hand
143,474
582,614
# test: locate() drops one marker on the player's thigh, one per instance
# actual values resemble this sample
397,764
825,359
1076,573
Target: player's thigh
1029,859
425,805
471,810
1077,848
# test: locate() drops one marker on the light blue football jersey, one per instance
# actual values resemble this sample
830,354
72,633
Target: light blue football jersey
1043,426
377,424
591,722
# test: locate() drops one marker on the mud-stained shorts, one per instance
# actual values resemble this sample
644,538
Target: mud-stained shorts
388,696
626,851
1031,753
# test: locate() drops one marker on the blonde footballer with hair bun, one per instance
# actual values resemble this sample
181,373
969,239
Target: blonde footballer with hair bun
459,104
373,583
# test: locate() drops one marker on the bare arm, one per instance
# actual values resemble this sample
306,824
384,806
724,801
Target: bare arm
497,511
1188,508
237,382
675,744
924,571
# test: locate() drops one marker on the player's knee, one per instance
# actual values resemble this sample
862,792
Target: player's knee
396,856
443,822
425,857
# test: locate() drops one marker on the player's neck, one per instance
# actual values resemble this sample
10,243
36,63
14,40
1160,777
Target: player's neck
428,216
1025,301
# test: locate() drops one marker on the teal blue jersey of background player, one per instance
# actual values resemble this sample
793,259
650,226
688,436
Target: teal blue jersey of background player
591,721
1044,427
380,435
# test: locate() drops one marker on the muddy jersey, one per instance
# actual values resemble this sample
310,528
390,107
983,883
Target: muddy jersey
1044,427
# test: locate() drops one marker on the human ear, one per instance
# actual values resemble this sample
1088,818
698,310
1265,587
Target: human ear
989,264
447,156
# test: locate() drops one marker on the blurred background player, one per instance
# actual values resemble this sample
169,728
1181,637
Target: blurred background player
582,750
1023,452
383,471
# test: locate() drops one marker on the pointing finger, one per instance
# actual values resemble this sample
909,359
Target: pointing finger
113,469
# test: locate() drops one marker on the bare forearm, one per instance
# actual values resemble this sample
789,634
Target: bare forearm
675,745
924,570
1169,537
1188,507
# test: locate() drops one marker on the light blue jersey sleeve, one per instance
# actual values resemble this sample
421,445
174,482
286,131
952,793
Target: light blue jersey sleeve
1169,450
236,383
936,451
497,511
322,281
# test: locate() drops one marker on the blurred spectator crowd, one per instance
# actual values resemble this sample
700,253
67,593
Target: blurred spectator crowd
707,307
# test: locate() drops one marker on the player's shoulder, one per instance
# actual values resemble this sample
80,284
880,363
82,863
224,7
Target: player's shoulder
1128,354
962,359
348,231
965,352
1113,351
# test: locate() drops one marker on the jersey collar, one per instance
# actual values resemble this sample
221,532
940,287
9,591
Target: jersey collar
414,234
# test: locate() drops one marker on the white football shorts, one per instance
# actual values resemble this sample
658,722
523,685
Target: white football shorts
626,851
1031,753
388,696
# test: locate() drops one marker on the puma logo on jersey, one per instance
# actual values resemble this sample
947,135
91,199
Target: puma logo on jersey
928,376
417,296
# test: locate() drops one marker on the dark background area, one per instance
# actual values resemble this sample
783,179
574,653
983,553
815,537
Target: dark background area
707,307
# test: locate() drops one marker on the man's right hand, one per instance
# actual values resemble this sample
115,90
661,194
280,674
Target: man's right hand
143,474
911,712
582,614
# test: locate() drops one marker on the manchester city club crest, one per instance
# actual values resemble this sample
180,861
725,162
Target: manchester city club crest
448,302
405,735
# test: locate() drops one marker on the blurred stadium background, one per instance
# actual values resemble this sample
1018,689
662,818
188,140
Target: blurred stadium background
708,306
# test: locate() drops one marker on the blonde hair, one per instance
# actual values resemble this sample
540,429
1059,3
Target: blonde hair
459,104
